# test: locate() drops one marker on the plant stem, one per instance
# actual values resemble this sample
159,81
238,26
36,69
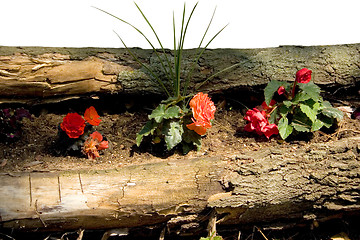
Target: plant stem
293,90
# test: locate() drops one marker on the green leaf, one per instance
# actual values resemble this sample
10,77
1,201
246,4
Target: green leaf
327,121
312,90
300,97
317,124
287,103
173,131
273,116
317,106
300,126
332,112
284,110
284,128
172,112
148,129
326,104
190,136
158,113
270,89
310,113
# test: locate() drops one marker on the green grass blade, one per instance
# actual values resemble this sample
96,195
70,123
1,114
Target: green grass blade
197,56
138,30
214,75
152,46
168,70
182,40
179,55
200,51
175,53
145,66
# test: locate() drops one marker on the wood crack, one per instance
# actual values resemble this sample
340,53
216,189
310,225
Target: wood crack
59,188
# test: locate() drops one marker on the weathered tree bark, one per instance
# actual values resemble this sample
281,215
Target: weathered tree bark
311,182
34,74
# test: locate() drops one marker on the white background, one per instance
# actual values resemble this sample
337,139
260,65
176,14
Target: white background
252,23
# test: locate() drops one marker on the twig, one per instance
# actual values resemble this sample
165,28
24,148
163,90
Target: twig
212,224
81,234
261,233
239,235
2,234
37,212
162,234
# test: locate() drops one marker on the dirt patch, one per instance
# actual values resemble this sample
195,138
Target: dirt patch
35,151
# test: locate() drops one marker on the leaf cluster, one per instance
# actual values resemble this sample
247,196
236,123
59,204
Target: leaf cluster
168,123
305,112
10,122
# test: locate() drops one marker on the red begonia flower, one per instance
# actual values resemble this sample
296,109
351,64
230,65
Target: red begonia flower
203,110
259,123
73,125
303,75
281,90
93,144
270,129
91,116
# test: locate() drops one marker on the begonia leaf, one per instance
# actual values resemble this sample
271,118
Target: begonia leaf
332,112
270,89
327,121
310,113
284,110
311,89
173,131
191,137
158,113
300,97
273,116
172,112
317,124
300,126
284,128
287,103
148,129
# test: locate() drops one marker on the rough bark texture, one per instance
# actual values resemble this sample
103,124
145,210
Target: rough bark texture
34,74
309,183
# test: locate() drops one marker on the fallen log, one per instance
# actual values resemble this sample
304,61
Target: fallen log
39,75
309,183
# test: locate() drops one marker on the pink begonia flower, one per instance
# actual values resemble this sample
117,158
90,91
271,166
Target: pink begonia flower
259,123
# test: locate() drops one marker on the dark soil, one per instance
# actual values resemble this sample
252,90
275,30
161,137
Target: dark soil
36,149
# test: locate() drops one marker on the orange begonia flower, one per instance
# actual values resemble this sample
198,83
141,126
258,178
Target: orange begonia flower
91,116
203,112
94,144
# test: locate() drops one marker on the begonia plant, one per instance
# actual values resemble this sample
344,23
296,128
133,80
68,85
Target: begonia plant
10,123
290,109
76,134
172,122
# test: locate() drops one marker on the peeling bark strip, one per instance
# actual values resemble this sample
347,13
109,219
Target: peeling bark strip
35,73
51,75
311,182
